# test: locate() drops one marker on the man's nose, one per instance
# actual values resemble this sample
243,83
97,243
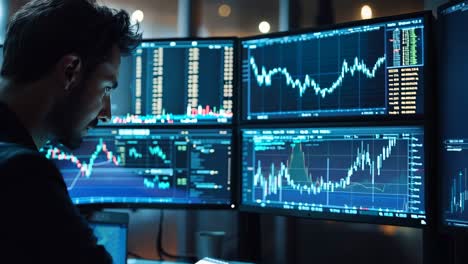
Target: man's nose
105,115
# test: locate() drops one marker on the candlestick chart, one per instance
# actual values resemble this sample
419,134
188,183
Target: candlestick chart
336,169
147,166
198,75
455,175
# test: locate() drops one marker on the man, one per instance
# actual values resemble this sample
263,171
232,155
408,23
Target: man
61,60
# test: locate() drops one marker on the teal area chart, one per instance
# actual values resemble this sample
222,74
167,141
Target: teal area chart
375,171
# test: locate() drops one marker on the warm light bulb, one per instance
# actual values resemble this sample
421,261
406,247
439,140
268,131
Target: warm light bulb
366,12
137,16
264,27
224,10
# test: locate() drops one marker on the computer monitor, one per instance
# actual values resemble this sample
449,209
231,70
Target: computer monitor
153,167
177,81
111,229
453,126
369,174
369,69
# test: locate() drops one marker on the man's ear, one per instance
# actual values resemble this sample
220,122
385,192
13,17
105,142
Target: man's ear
69,69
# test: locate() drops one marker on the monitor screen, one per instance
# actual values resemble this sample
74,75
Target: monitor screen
176,82
114,239
368,69
133,165
372,174
453,77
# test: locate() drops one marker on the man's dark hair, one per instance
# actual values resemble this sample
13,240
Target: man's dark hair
43,31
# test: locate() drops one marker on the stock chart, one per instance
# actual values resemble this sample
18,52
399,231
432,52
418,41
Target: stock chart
372,171
147,166
456,182
176,82
374,69
453,128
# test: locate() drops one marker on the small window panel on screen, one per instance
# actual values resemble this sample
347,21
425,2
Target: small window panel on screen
356,173
180,81
146,166
370,69
453,128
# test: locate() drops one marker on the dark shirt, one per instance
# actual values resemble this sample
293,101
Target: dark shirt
38,221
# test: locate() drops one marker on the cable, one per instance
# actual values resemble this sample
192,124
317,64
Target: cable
161,252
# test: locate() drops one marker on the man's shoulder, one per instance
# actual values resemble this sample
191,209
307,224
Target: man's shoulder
15,158
8,149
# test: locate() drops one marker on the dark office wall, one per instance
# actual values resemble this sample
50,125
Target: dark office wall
433,4
14,5
349,10
160,16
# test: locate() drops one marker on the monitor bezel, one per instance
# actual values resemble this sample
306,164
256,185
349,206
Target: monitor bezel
427,15
448,4
443,225
233,205
235,119
407,222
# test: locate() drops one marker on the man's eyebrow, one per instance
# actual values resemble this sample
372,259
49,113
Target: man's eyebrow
115,84
111,80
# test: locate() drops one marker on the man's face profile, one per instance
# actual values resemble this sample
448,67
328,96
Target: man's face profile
87,103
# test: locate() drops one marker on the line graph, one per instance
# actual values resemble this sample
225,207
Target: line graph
157,151
133,152
85,168
141,153
264,77
340,74
363,162
356,71
357,168
459,193
110,158
147,165
156,183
